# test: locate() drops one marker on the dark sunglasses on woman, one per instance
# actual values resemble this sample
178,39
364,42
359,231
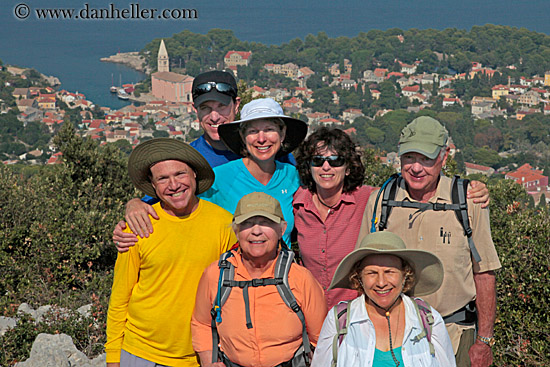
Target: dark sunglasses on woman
333,160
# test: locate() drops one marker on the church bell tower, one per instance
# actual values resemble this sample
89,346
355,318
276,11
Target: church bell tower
163,63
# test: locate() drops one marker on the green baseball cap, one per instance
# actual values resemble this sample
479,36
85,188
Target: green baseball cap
424,135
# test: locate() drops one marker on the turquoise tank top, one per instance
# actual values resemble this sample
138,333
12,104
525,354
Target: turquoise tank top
385,359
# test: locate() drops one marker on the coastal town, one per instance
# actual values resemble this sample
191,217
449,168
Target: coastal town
167,111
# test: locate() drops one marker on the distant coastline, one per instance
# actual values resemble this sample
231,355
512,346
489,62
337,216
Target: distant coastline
131,59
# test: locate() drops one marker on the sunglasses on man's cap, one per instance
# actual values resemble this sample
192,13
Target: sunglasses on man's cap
224,88
333,160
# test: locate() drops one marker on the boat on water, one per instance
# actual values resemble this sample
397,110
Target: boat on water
121,94
113,88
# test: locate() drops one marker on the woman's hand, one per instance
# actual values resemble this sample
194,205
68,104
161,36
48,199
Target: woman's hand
137,217
480,193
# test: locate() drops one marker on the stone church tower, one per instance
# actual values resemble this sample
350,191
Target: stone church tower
163,63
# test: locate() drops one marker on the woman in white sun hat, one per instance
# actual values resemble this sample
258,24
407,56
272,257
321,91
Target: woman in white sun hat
262,134
386,327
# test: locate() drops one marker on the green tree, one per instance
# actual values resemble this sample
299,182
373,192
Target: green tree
375,171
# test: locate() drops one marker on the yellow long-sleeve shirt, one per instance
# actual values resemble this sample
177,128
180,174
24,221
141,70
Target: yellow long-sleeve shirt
155,285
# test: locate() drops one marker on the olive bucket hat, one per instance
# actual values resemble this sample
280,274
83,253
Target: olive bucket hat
146,154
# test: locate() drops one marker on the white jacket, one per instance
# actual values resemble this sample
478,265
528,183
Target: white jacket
357,348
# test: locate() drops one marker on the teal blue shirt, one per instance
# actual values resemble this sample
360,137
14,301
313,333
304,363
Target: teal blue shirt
385,359
233,181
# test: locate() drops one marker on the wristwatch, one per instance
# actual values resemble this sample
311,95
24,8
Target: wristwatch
490,341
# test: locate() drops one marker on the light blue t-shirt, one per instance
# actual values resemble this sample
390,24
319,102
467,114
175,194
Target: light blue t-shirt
385,359
233,181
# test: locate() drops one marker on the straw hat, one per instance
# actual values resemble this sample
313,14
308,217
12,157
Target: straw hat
259,109
157,150
427,267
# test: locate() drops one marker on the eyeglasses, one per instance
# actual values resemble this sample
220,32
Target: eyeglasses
333,160
220,87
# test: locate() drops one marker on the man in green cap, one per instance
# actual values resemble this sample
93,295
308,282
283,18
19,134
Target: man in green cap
419,207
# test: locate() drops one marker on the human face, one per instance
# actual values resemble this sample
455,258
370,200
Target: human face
212,114
421,174
263,139
259,237
175,184
383,279
326,177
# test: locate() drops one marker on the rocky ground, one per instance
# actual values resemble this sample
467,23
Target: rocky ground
52,350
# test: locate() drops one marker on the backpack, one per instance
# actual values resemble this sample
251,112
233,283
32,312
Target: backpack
459,188
226,282
341,311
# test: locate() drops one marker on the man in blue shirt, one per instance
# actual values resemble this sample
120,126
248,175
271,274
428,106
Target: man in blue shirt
216,102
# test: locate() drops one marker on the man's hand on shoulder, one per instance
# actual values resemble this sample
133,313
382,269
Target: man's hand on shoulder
479,193
123,240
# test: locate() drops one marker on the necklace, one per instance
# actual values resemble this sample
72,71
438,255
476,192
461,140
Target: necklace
325,204
389,327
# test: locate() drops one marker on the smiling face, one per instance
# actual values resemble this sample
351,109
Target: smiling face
326,177
259,237
422,174
212,114
383,278
175,185
263,139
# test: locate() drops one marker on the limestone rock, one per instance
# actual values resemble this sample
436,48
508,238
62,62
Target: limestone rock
6,323
58,351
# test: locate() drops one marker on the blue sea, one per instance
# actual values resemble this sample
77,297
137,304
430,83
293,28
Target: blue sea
71,49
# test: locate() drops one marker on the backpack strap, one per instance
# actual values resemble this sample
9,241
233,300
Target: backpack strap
227,272
459,192
388,195
341,319
424,312
282,268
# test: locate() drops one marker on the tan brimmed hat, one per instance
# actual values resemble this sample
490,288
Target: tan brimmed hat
157,150
427,267
258,203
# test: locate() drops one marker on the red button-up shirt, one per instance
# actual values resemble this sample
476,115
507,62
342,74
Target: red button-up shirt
324,244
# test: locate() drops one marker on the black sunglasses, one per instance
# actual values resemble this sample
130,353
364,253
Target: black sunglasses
220,87
333,161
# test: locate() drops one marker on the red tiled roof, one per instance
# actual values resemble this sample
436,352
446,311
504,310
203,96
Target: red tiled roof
244,54
478,167
412,88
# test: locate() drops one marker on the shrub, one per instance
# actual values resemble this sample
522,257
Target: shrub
55,241
521,235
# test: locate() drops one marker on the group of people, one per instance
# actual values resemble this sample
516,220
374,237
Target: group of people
205,273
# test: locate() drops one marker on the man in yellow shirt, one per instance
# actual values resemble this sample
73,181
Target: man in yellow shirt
155,282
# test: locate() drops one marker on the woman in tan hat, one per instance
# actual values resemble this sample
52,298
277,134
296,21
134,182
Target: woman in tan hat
386,327
256,307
